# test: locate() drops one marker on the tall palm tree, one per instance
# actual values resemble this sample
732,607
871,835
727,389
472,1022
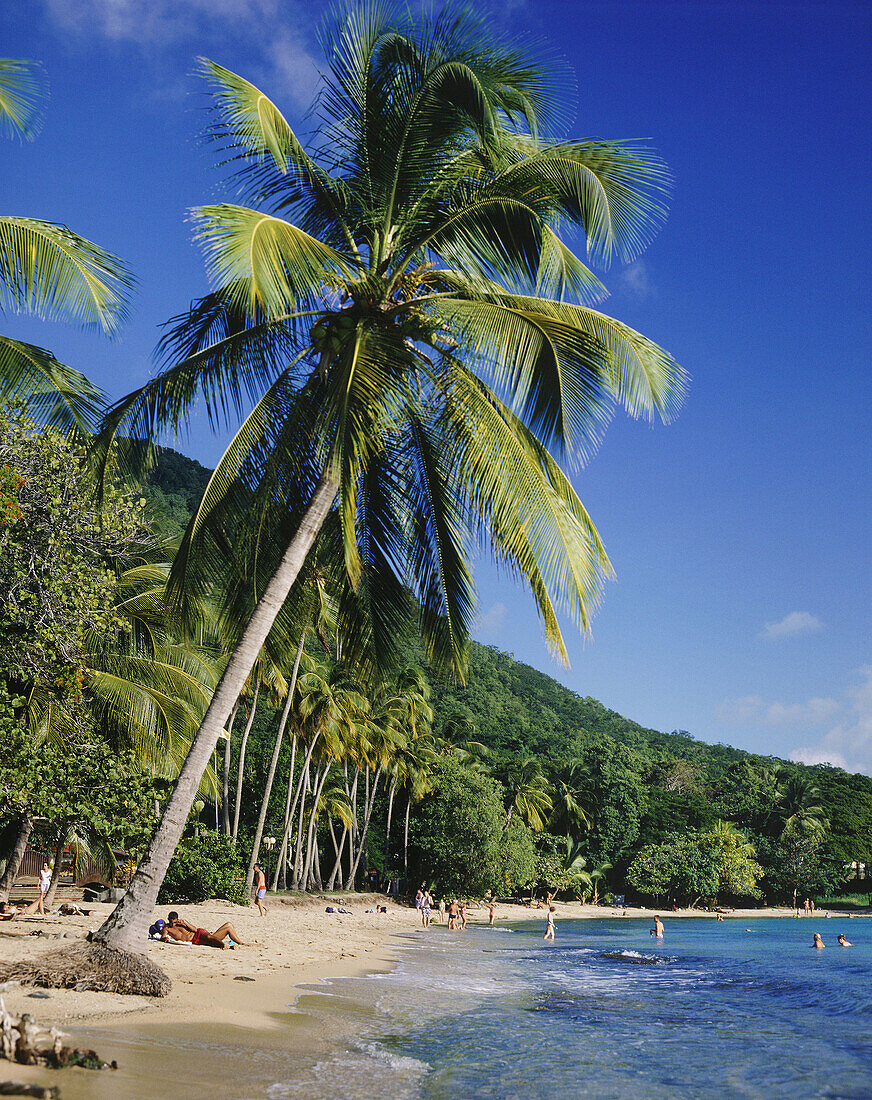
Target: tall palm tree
395,305
48,270
529,797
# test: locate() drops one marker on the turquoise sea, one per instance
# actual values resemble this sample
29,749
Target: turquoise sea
715,1009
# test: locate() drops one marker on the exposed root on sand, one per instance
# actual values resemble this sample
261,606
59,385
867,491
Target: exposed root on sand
92,966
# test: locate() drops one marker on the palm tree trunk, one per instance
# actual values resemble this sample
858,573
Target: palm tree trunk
289,817
48,900
388,827
271,774
297,882
17,854
337,866
316,866
225,779
126,926
240,766
283,851
349,885
406,844
312,833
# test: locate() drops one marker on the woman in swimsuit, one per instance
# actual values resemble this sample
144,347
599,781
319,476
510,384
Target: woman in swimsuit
549,927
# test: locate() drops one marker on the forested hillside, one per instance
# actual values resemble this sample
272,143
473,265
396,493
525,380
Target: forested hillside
620,807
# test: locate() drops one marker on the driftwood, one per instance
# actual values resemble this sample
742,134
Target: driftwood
18,1088
24,1041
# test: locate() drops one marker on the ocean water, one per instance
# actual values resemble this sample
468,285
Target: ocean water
715,1009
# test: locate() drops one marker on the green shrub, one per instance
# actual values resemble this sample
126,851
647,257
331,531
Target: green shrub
202,868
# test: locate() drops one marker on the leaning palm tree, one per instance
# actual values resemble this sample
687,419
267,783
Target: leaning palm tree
48,270
417,340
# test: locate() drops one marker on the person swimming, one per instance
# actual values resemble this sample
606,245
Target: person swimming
818,942
843,941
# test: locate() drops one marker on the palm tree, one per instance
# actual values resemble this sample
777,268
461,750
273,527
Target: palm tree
596,876
528,794
568,817
800,809
47,270
408,345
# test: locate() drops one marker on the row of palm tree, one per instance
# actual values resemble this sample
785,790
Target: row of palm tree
411,348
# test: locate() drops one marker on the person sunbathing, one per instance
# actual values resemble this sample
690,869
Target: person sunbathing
10,912
182,932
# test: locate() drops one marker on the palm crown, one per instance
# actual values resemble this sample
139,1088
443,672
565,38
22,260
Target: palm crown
395,306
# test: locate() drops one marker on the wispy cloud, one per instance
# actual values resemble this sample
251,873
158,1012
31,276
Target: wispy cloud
755,710
848,744
635,280
148,21
490,623
797,622
153,26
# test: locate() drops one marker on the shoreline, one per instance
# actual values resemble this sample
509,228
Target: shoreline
225,1005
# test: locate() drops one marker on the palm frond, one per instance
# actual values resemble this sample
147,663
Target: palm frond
23,92
52,393
48,270
265,262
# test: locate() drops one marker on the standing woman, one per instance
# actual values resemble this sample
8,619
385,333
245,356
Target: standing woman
549,927
44,883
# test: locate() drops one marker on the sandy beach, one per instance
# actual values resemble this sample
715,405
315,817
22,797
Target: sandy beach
225,1005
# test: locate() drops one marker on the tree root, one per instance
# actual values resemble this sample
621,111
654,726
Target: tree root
92,966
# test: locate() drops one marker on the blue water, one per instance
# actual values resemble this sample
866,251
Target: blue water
716,1009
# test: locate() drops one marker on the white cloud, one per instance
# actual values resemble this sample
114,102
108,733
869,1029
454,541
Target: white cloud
636,280
489,625
293,68
797,622
156,20
848,744
288,69
754,709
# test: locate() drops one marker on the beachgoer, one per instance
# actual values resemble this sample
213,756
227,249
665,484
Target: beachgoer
811,906
843,941
549,927
426,907
180,930
260,889
491,907
463,905
44,883
720,916
818,942
442,910
419,898
453,915
657,930
805,905
10,912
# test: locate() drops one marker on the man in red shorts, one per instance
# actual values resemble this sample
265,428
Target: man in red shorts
183,932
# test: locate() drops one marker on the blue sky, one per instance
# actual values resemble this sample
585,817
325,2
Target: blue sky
739,533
